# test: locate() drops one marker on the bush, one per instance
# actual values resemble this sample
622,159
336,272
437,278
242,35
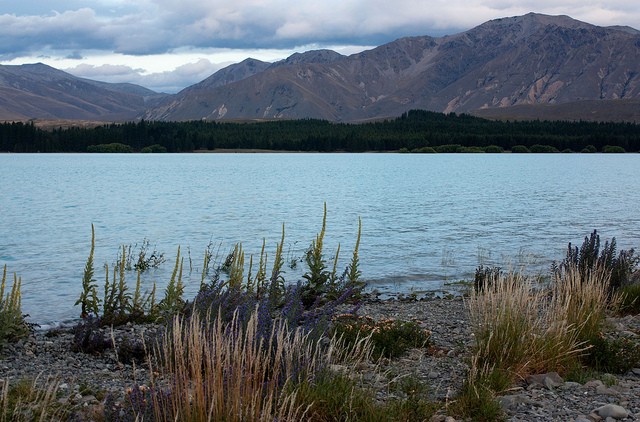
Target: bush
156,148
424,150
519,149
589,149
614,356
110,148
389,338
543,149
449,148
613,149
472,150
494,149
333,396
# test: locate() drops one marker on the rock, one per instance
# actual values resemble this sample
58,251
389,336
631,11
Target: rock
570,385
636,371
549,381
612,411
605,391
582,418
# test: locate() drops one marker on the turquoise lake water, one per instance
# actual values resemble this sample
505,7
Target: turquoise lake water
427,220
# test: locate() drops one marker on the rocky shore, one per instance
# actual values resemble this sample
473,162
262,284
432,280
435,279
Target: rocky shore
88,378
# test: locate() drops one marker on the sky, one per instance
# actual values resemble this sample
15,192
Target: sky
167,45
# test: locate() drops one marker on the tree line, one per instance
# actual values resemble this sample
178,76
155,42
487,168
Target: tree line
416,130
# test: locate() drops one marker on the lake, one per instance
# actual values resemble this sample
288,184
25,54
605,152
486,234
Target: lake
427,220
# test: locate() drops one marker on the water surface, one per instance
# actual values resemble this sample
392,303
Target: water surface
427,219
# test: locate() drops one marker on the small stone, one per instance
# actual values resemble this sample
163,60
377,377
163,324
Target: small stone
582,418
612,411
636,371
594,383
605,391
433,375
549,381
570,385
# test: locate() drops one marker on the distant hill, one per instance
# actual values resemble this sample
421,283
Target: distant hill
525,60
38,91
531,66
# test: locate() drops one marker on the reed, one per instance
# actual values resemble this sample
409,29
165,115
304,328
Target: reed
226,371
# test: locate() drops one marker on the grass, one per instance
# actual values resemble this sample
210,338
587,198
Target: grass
31,401
522,328
220,371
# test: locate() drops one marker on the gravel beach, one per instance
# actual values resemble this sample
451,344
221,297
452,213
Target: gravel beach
87,378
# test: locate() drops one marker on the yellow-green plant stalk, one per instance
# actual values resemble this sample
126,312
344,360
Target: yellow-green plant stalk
173,301
354,271
333,276
261,276
12,323
237,268
88,300
276,282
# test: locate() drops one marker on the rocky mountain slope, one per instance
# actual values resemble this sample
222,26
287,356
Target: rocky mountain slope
38,91
525,60
531,66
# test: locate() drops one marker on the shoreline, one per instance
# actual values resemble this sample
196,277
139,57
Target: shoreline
88,378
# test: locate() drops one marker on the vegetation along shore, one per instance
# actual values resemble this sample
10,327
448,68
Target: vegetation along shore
416,131
254,346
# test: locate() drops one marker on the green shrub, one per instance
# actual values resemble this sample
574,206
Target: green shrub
337,397
12,322
544,149
589,149
519,149
389,338
110,148
471,150
156,148
567,151
424,150
494,149
448,148
613,149
614,356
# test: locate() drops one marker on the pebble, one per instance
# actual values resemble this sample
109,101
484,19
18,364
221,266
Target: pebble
444,368
612,411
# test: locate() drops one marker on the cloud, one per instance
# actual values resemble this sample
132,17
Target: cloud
157,26
161,29
167,81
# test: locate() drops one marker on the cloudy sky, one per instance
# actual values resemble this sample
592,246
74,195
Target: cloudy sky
167,45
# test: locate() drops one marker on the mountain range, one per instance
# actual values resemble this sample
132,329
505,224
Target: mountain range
531,66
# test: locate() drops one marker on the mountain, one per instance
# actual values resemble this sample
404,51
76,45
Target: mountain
526,60
38,91
531,66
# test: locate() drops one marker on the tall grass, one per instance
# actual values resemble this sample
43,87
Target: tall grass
30,401
221,371
582,299
522,329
